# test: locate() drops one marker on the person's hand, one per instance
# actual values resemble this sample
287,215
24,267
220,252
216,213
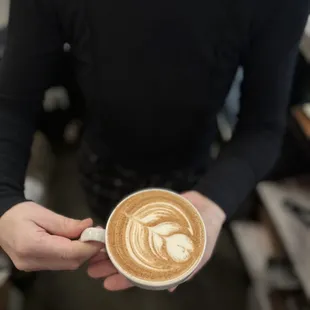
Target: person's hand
213,217
101,267
36,238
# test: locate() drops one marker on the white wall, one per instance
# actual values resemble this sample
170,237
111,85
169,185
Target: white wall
4,12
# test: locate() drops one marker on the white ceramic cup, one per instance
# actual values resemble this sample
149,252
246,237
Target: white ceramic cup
101,235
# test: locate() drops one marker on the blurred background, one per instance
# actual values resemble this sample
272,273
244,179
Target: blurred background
262,260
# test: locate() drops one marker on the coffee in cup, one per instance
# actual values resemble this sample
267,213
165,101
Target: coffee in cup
155,238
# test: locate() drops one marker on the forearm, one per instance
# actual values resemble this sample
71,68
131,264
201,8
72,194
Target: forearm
243,163
16,132
32,54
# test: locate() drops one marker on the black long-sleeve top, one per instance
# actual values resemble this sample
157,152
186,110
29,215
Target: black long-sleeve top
154,74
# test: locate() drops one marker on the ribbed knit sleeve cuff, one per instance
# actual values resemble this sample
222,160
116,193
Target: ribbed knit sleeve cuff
8,202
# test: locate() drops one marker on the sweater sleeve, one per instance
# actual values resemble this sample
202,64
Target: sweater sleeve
33,50
268,65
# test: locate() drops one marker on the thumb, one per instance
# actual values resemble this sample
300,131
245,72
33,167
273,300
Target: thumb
59,225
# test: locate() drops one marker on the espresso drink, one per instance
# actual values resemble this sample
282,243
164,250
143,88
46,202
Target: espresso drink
155,236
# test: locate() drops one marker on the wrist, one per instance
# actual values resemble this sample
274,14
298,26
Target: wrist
216,210
211,209
207,207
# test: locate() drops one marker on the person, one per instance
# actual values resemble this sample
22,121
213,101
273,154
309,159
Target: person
154,75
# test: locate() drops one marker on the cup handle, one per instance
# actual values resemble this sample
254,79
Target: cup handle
93,234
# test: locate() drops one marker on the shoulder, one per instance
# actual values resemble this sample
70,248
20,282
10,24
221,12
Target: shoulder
32,5
31,22
282,19
32,10
268,12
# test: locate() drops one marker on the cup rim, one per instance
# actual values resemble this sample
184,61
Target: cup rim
148,283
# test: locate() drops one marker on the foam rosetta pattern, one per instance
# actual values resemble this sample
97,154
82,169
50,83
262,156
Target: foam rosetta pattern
155,237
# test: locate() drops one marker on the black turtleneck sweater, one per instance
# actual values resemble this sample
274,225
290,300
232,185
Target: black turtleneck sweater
155,73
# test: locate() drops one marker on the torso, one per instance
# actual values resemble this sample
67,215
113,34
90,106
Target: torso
155,73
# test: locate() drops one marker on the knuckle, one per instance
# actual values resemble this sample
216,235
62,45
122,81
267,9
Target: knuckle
74,265
22,250
38,241
21,265
66,223
67,255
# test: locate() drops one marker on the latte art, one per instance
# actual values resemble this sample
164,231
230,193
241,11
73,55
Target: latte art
155,235
153,240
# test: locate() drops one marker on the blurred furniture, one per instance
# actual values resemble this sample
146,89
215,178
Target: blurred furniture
276,246
2,40
295,153
4,14
4,281
300,128
299,118
305,42
39,169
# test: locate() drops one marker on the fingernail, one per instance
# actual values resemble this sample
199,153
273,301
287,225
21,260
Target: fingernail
171,290
84,223
86,220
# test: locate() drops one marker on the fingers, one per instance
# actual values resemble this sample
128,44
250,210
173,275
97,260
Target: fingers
60,225
72,250
101,269
58,254
69,228
171,290
117,282
102,255
36,238
64,254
